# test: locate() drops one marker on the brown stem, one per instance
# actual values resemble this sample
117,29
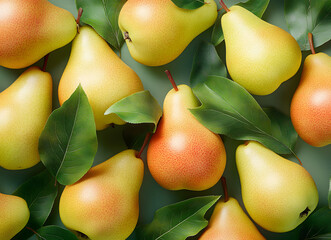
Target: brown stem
80,12
224,6
32,230
171,80
144,145
225,189
45,63
311,43
298,159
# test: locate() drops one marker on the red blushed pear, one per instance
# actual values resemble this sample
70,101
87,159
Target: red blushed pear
229,222
183,154
311,102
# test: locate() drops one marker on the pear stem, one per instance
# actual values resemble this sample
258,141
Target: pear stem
311,43
37,234
80,12
224,6
225,189
171,80
144,145
45,63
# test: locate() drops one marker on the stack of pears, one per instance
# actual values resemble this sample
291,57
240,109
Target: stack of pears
30,29
157,32
183,154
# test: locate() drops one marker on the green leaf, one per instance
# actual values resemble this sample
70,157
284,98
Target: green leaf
178,221
227,108
39,192
304,16
257,7
189,4
53,233
206,62
282,127
329,198
135,134
68,143
140,107
317,226
102,15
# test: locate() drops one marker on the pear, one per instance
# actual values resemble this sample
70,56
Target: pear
24,109
311,102
259,56
229,222
104,77
157,32
14,215
183,154
30,29
278,194
104,204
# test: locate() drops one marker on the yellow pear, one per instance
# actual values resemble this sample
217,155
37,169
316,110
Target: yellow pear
229,222
277,193
14,215
30,29
183,154
104,77
24,109
311,102
104,204
158,31
259,55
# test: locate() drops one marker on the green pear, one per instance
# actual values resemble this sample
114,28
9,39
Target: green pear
181,144
259,56
229,222
104,77
14,215
278,194
104,204
157,32
311,102
24,109
30,29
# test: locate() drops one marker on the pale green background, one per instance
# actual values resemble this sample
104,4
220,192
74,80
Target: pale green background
152,196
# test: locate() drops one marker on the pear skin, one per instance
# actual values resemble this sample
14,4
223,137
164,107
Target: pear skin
14,215
24,109
158,31
104,204
311,102
229,222
259,55
183,154
278,194
104,77
30,29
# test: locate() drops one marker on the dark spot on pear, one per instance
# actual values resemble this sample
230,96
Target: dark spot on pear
305,212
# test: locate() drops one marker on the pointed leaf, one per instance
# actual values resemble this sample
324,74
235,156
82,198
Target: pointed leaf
178,221
189,4
257,7
68,143
304,16
102,15
206,62
53,233
140,107
39,192
317,226
227,108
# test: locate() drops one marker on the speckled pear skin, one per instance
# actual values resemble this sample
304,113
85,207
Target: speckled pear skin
183,154
230,222
275,191
259,56
104,204
14,215
24,109
30,29
311,102
104,77
160,31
